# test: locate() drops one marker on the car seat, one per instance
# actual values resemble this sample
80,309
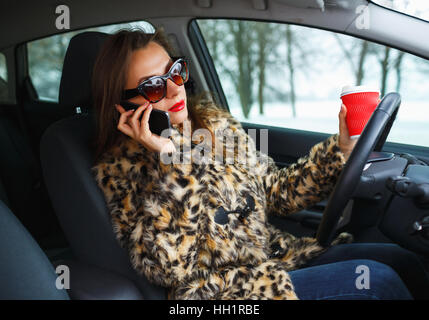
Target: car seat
25,271
66,158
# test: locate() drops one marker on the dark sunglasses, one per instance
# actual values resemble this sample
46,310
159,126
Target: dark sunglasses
154,89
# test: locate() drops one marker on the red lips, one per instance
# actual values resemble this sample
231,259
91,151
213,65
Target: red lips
178,106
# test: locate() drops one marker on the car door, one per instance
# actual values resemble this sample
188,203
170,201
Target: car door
288,78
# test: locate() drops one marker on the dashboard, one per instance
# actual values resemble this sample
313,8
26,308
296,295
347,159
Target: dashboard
393,197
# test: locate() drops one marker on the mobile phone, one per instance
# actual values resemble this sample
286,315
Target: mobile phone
158,121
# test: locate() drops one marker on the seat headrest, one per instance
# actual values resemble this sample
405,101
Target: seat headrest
75,86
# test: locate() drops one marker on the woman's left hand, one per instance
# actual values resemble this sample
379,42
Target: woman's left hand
345,142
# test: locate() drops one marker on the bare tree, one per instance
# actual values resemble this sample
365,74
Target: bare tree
300,54
242,43
358,67
266,42
360,70
290,65
261,38
213,35
384,62
246,51
398,68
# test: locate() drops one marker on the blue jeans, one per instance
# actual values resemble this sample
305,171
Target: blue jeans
340,281
405,263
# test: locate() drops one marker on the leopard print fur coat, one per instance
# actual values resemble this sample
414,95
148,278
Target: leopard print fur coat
200,229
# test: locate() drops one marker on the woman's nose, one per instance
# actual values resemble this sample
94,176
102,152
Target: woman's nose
172,89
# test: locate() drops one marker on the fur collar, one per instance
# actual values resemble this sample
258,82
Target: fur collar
214,117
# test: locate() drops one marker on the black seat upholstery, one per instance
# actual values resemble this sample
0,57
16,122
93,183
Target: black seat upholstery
25,271
22,189
3,195
66,158
27,274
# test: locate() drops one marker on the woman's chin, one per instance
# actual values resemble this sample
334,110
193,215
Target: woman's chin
179,117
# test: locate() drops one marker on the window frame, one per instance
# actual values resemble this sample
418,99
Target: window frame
6,79
9,54
6,67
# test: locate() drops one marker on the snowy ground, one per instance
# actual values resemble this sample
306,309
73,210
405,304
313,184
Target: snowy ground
411,125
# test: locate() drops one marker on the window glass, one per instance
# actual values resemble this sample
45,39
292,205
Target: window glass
416,8
291,76
3,78
46,57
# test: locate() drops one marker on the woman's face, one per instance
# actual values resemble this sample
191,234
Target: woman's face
150,61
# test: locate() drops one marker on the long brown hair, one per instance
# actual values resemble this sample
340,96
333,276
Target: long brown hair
109,79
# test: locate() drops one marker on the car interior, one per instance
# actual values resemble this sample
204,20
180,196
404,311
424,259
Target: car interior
53,214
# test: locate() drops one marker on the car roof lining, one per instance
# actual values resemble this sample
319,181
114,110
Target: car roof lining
405,33
38,17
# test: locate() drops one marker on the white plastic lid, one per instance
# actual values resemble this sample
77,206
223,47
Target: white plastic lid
354,89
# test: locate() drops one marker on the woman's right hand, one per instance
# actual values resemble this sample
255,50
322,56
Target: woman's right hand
130,125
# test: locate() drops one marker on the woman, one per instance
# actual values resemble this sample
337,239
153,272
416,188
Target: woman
200,229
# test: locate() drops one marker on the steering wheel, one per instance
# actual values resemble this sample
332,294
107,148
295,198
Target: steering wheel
372,138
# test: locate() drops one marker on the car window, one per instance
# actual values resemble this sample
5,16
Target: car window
419,9
291,76
46,57
3,78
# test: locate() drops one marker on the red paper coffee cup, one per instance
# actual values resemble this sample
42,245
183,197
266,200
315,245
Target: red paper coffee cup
360,102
